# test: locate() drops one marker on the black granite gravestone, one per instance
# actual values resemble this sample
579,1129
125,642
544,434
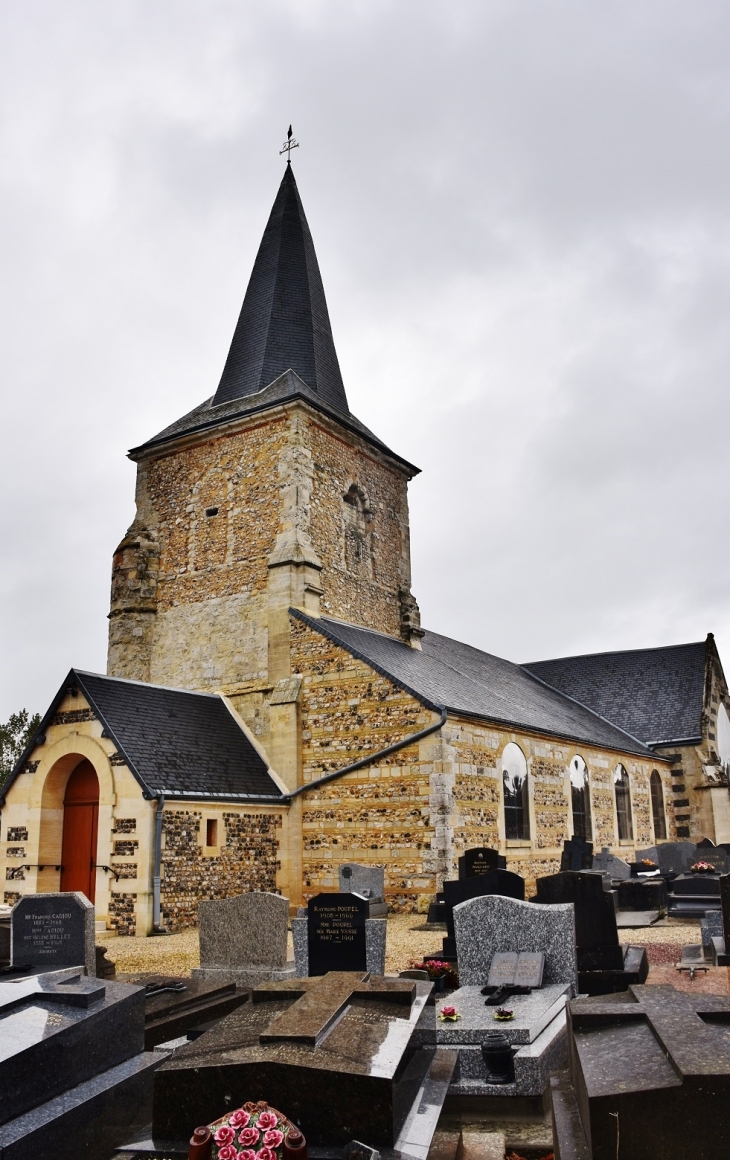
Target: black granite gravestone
174,1005
53,930
603,965
721,942
649,1077
340,1053
336,933
692,895
479,860
74,1079
497,881
642,894
577,854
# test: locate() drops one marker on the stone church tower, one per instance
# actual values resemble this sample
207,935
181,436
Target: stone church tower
267,496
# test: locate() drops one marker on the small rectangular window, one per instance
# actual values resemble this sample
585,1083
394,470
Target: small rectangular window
211,832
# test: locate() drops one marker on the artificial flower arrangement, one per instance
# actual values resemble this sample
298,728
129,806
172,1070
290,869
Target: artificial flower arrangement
449,1015
503,1014
254,1132
438,970
702,868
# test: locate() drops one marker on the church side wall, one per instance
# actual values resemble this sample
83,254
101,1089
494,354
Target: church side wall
380,815
415,812
246,858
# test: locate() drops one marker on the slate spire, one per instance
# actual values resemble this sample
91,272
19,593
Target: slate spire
284,322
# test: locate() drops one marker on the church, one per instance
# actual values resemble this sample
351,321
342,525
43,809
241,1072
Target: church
272,706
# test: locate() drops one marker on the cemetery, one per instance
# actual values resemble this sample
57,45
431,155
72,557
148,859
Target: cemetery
550,1036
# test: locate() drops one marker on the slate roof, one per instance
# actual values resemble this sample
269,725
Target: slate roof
477,684
177,743
282,346
654,693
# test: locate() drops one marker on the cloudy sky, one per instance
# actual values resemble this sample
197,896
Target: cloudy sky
521,216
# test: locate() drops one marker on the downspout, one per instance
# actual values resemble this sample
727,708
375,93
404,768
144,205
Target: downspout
373,756
156,878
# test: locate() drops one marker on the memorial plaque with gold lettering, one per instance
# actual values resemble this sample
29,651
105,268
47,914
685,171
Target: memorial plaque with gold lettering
336,933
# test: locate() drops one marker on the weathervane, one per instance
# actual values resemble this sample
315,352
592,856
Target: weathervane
289,144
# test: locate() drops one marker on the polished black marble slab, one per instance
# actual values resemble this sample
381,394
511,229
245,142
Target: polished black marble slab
57,1032
175,1004
353,1063
89,1121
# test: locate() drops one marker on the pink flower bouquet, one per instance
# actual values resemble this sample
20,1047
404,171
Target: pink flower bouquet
253,1132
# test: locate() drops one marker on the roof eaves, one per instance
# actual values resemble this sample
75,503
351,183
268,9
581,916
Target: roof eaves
268,405
209,795
318,626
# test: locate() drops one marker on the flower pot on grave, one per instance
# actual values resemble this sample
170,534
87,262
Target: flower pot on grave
439,984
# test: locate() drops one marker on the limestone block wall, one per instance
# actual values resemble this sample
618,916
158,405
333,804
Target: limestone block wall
245,858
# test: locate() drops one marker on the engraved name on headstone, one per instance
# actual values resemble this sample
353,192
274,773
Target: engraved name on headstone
510,969
530,969
502,970
336,933
53,930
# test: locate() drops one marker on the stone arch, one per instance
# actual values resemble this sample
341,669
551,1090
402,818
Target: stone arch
46,802
358,531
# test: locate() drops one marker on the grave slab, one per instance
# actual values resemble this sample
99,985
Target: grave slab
49,931
173,1004
655,1061
339,1052
243,939
533,1013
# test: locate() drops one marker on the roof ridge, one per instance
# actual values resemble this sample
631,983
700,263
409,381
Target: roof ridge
618,652
145,684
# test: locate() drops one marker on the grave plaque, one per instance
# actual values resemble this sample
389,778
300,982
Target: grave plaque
503,969
530,969
479,860
53,930
336,933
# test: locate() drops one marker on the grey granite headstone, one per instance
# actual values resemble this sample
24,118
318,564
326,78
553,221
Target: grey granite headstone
492,923
243,939
366,880
49,931
711,927
607,863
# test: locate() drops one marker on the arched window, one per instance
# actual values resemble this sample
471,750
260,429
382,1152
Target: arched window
623,804
723,738
580,799
657,806
516,805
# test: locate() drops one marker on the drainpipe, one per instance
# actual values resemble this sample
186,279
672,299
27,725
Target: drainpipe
156,879
373,757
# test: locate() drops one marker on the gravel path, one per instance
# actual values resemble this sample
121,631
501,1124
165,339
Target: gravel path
177,954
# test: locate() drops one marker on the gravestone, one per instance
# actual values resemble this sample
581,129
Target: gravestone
721,943
479,860
603,965
243,939
692,895
368,881
577,854
714,856
492,924
608,864
334,933
501,882
642,894
176,1004
49,931
506,942
651,855
315,1047
676,857
712,928
648,1077
74,1079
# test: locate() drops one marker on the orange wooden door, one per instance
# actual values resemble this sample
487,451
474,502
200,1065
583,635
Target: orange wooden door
80,820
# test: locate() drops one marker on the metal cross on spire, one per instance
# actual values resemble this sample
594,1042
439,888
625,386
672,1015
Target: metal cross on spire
289,144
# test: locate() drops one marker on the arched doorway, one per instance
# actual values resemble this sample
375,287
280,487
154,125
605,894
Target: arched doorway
80,819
